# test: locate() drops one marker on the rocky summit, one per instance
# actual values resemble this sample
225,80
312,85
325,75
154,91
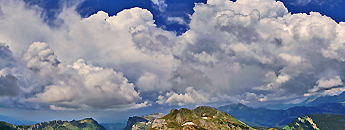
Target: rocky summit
200,118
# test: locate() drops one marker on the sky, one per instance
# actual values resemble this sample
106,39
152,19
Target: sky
111,59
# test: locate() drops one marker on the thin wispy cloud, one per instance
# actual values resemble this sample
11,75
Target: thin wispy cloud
161,4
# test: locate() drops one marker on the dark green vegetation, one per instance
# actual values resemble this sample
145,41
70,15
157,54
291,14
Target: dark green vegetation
318,122
6,126
279,118
200,118
85,124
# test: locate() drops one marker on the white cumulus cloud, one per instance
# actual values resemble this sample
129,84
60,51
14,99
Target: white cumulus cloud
249,51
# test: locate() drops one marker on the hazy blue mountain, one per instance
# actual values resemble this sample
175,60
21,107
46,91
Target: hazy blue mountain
15,121
279,118
324,99
311,101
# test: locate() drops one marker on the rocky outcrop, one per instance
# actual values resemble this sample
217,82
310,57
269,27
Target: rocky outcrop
47,124
142,122
134,120
158,123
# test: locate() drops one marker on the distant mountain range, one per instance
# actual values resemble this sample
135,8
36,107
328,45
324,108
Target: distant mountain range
279,118
85,124
315,113
200,118
311,101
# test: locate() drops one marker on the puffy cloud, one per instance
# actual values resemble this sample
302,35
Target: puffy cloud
324,83
190,97
13,73
17,81
132,47
113,43
249,51
178,20
78,85
39,80
266,8
257,47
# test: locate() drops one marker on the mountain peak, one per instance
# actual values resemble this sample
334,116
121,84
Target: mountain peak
202,117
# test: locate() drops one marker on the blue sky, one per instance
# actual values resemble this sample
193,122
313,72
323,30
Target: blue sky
106,58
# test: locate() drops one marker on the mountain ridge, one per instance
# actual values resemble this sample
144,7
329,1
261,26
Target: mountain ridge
85,124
